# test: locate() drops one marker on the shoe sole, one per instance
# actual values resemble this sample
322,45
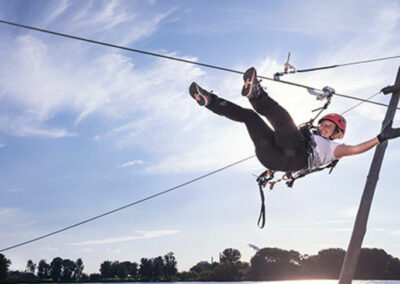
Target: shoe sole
249,79
196,93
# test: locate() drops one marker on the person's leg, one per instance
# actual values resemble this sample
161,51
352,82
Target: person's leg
260,133
287,134
256,127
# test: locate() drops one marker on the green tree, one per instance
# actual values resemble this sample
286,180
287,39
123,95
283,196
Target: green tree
31,267
4,264
204,271
121,269
170,264
230,268
227,271
95,277
106,269
43,269
203,266
326,264
230,255
56,268
187,276
373,264
146,269
78,269
68,268
133,270
274,264
393,269
158,269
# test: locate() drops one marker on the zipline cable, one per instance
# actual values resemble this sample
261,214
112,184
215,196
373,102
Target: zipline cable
191,62
344,64
353,107
179,59
147,198
128,205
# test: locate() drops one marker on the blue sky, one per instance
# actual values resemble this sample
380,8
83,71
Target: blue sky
85,129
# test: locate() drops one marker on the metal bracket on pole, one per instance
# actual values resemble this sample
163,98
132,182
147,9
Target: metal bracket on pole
390,89
360,226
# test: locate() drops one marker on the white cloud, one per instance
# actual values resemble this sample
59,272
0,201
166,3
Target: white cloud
313,223
57,11
12,190
140,235
349,212
49,249
100,20
84,83
9,212
15,217
341,229
130,164
152,104
25,126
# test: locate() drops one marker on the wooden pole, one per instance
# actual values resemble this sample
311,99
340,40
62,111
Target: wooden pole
360,225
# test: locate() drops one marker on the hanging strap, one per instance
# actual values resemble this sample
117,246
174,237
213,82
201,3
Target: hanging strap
261,218
262,181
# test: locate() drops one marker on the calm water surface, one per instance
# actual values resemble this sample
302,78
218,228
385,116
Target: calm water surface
273,282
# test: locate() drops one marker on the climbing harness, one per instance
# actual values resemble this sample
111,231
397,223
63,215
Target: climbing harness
306,129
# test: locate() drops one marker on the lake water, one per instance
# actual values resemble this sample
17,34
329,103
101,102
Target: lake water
271,282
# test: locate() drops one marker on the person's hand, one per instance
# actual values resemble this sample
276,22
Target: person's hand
388,132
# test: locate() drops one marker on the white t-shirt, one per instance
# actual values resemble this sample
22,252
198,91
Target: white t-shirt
323,150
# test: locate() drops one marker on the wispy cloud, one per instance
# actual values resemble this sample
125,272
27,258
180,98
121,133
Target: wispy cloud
349,212
15,217
49,249
389,231
140,235
9,212
12,190
130,164
349,229
83,84
306,223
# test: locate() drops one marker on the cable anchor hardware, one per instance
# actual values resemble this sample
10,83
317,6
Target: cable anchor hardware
390,89
327,93
288,69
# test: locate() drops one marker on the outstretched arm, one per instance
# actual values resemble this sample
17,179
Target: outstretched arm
348,150
387,133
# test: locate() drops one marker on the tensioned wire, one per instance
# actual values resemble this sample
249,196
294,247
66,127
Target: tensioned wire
143,199
175,187
126,206
203,64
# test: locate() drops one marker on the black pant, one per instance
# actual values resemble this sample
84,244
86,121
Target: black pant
281,149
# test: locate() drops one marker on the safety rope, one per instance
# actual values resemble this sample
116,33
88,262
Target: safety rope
126,206
290,69
179,59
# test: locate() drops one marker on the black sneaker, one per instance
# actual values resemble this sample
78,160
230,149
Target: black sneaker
202,97
252,87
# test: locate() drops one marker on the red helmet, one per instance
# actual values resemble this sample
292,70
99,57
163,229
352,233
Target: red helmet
336,119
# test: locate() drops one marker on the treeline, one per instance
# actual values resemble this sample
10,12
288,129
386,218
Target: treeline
266,264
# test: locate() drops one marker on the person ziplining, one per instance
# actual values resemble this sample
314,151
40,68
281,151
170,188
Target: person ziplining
284,148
